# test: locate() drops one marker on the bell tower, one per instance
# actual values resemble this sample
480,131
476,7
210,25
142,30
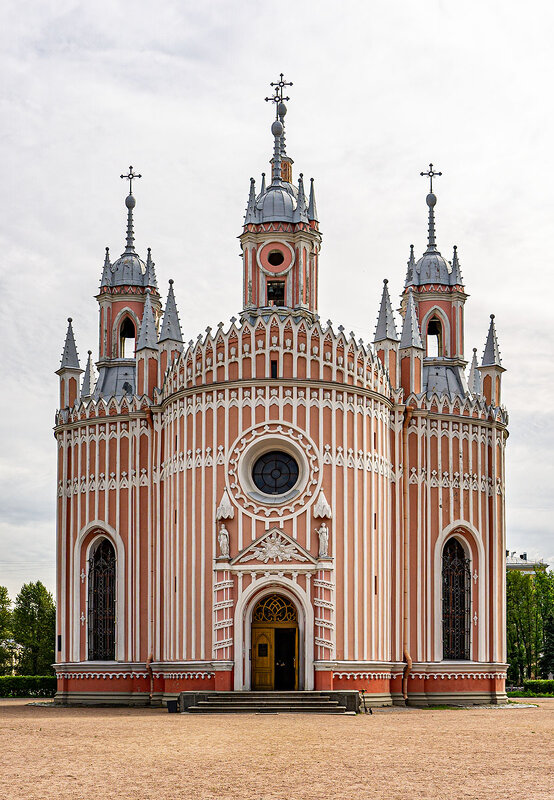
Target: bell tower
280,239
123,290
439,297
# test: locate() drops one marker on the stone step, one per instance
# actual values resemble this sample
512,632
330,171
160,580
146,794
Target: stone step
271,700
254,708
264,703
300,694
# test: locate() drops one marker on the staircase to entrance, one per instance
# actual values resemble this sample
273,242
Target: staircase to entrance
269,702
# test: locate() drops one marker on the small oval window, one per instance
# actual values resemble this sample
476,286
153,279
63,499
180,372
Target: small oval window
275,258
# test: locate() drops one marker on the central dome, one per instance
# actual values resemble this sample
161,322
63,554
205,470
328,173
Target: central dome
276,204
129,269
431,268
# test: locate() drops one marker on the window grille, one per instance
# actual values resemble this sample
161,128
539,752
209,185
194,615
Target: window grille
101,603
456,602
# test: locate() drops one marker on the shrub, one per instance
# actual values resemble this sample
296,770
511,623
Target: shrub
539,686
27,686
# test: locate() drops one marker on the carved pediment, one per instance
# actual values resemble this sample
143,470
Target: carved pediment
273,547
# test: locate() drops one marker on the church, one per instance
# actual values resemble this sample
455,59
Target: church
276,505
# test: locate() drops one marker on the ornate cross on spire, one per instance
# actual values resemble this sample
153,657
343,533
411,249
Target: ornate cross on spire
277,97
430,174
130,178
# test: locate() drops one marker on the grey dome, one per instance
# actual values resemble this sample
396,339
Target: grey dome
431,268
128,270
276,205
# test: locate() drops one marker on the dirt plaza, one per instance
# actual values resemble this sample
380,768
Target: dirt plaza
394,754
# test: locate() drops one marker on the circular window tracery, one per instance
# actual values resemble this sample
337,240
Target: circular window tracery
275,472
274,608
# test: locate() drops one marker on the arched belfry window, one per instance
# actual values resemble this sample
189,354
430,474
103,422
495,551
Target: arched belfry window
434,338
101,603
456,602
127,339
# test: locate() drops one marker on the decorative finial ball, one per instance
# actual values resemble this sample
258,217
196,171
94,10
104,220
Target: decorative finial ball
385,281
492,316
70,319
431,199
277,128
474,349
130,201
281,109
89,352
171,281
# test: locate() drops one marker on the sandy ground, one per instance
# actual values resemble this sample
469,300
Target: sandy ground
142,754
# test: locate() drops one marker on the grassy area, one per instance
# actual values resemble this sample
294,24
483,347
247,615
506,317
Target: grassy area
529,694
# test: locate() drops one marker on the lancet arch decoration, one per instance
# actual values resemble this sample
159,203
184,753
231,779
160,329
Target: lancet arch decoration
125,330
101,605
435,328
456,601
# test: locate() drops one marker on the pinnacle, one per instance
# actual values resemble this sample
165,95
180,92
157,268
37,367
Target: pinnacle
386,329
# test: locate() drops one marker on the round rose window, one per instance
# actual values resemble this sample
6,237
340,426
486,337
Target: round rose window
275,472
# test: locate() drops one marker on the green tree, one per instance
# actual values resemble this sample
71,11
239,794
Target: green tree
529,605
34,628
6,649
547,658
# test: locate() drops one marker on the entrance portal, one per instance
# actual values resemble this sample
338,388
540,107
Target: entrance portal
274,645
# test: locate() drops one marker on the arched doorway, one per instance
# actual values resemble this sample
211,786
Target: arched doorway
456,602
101,602
274,644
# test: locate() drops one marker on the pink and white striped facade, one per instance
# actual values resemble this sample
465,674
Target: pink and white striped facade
393,470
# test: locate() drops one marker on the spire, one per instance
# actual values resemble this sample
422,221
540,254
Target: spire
301,212
262,190
150,278
474,381
491,356
278,128
106,272
171,329
130,202
411,337
312,208
250,215
431,201
386,328
89,378
456,274
148,336
411,265
70,359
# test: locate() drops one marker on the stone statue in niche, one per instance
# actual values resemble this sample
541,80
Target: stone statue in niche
323,533
223,539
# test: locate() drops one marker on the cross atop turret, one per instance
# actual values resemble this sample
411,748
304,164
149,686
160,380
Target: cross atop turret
277,97
430,174
130,177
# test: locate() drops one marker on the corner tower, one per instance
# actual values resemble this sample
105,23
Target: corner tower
439,296
280,239
123,290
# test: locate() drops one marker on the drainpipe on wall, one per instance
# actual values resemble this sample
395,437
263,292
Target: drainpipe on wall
408,413
149,661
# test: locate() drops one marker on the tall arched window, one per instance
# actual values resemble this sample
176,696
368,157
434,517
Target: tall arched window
127,336
456,602
434,338
101,603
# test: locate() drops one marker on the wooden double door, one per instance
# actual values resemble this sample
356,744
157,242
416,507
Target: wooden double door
274,656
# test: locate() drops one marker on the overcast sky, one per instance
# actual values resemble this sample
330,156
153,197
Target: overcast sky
176,88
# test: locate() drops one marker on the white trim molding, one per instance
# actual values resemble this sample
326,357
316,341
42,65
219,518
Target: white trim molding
468,530
104,531
243,628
